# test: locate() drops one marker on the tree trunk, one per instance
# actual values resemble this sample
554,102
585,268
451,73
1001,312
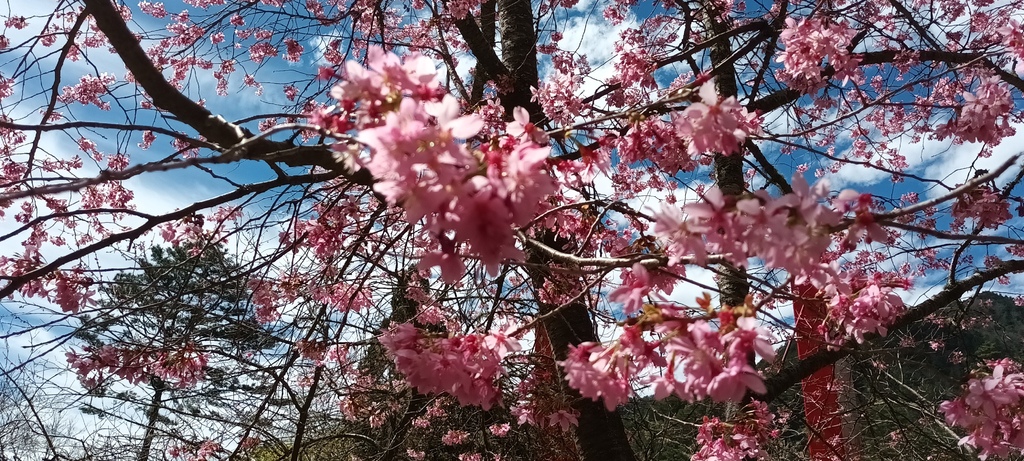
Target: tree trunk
732,283
601,434
519,54
151,416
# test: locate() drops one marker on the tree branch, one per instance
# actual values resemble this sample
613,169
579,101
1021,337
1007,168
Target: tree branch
212,127
18,281
793,374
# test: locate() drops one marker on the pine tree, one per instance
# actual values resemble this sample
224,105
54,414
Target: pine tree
180,298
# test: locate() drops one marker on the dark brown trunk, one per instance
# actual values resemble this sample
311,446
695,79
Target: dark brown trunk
488,25
733,285
732,282
519,54
403,309
152,414
600,434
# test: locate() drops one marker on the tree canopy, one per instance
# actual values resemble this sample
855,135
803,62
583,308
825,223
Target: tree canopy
500,229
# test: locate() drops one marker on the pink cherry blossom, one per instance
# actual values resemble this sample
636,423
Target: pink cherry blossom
89,90
716,126
698,361
636,285
985,205
984,116
991,409
454,437
464,366
598,373
1013,38
807,42
563,419
523,127
860,306
740,440
499,430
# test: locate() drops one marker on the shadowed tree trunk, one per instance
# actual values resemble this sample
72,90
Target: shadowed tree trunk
488,20
601,434
519,55
732,283
152,414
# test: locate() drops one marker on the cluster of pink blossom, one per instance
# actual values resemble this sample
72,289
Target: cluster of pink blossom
739,440
30,259
183,367
541,403
293,50
575,174
659,142
93,367
984,116
260,51
325,234
270,296
599,372
636,285
563,419
559,96
789,232
861,305
499,430
863,226
71,290
9,141
156,10
420,162
460,8
991,409
204,451
984,204
1013,38
187,229
698,361
465,366
6,87
716,126
88,91
807,42
635,64
226,68
454,437
17,22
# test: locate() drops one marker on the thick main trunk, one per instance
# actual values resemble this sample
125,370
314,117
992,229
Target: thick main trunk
488,26
519,54
600,434
732,283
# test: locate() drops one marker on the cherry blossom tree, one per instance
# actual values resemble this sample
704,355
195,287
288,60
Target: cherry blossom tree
535,210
